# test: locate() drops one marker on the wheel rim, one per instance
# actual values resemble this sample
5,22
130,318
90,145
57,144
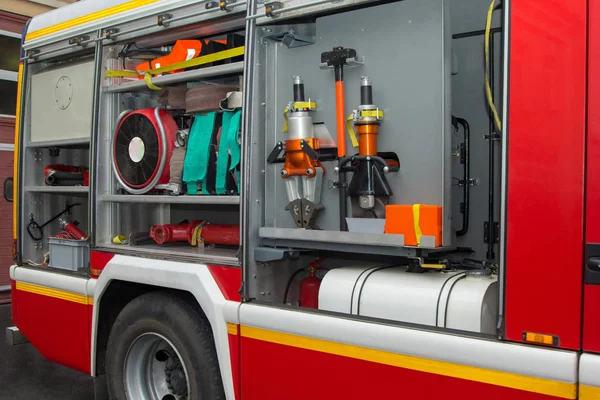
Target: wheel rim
154,370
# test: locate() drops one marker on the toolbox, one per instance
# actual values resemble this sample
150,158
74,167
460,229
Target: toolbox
69,254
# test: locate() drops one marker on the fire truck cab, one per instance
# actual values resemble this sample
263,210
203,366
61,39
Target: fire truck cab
323,199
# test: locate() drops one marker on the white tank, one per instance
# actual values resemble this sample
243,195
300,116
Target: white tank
457,299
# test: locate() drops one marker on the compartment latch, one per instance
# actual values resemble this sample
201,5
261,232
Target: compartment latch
271,7
163,19
79,40
108,34
224,5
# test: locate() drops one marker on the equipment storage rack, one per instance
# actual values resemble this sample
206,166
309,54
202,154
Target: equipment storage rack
134,213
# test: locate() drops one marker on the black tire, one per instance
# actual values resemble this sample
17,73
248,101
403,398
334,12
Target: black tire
100,389
183,325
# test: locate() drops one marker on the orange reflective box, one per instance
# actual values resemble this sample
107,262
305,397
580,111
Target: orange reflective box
400,220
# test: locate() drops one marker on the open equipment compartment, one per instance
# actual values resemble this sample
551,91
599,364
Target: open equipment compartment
55,161
151,212
409,92
404,48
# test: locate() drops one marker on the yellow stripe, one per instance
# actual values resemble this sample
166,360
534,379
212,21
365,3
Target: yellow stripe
16,152
57,294
232,329
589,392
498,378
130,5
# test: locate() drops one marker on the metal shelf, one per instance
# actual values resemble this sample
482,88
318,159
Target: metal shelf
166,199
178,252
74,190
69,143
186,76
347,242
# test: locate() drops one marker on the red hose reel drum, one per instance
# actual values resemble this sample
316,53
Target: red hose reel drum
138,147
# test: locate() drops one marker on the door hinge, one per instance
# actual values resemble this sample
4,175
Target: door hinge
495,232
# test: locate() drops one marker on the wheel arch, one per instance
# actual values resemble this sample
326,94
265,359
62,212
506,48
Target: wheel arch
125,278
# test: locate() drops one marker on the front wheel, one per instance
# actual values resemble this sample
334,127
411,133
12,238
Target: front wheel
162,348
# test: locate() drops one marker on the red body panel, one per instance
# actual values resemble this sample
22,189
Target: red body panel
592,211
591,299
57,328
591,321
292,373
546,169
98,260
13,304
234,350
229,280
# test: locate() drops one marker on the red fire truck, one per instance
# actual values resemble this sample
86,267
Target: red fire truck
326,199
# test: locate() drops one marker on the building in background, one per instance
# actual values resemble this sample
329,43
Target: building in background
13,16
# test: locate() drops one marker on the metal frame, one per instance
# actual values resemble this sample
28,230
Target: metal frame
504,183
94,142
248,173
42,200
107,202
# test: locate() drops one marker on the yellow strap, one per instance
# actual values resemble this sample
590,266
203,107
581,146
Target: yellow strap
221,55
433,266
311,105
416,212
372,113
115,73
350,125
350,129
285,118
197,236
148,80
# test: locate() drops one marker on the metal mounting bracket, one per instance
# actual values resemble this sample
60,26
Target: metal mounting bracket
108,34
268,254
496,233
272,6
224,5
350,62
79,40
163,19
292,36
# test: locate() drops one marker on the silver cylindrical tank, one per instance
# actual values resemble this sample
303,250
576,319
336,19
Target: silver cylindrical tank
455,299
